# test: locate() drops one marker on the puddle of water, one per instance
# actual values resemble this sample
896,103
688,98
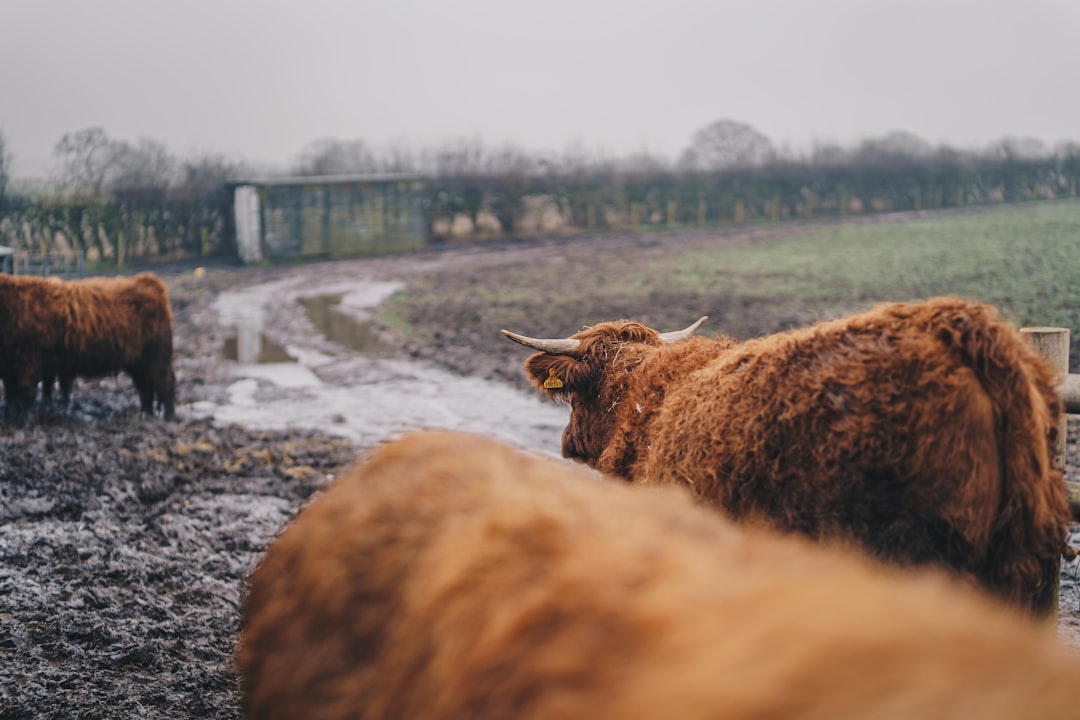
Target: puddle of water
396,397
254,347
339,327
377,397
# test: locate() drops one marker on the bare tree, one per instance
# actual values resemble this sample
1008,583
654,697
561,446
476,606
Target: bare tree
727,144
400,158
462,158
330,156
460,167
896,146
641,164
1068,158
509,171
87,158
204,177
1018,148
144,170
829,154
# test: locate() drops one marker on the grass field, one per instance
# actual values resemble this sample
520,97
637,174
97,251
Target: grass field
751,280
1023,258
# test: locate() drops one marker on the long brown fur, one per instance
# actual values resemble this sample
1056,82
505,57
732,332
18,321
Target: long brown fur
452,577
93,327
921,431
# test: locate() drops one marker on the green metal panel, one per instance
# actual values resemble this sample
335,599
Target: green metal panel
347,217
281,221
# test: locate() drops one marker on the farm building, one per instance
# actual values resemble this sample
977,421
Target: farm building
332,216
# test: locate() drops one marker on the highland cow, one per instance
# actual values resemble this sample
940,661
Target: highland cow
452,577
920,431
89,328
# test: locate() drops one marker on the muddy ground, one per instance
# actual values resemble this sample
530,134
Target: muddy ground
125,540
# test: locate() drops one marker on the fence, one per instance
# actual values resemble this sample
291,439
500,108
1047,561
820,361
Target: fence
1053,344
115,234
64,264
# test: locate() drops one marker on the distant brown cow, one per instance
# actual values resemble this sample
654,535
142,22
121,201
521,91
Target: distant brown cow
452,577
922,431
93,327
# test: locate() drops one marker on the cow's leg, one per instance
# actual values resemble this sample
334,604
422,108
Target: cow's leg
145,387
165,390
157,359
19,392
47,389
66,382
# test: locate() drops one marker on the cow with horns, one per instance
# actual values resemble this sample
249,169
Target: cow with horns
921,432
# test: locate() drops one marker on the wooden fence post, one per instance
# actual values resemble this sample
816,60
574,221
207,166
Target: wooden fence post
1053,344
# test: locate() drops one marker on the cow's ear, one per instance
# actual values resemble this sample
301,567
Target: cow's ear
556,373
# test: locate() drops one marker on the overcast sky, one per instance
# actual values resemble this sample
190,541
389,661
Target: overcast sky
260,79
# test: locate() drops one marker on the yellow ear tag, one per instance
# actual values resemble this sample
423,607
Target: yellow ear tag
552,382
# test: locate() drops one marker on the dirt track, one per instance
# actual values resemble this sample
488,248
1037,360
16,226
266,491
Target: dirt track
125,541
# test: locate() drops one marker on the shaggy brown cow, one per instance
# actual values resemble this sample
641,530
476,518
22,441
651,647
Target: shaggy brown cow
92,327
922,431
452,577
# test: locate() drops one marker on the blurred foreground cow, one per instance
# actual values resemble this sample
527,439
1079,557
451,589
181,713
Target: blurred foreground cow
452,577
51,328
922,431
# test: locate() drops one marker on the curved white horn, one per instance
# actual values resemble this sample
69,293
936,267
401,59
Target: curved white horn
678,335
560,346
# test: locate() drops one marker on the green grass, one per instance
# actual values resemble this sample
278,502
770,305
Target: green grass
1023,258
392,314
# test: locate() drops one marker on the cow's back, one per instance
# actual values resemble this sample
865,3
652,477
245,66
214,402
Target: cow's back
866,428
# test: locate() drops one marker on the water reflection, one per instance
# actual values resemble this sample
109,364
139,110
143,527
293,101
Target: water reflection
339,327
251,346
